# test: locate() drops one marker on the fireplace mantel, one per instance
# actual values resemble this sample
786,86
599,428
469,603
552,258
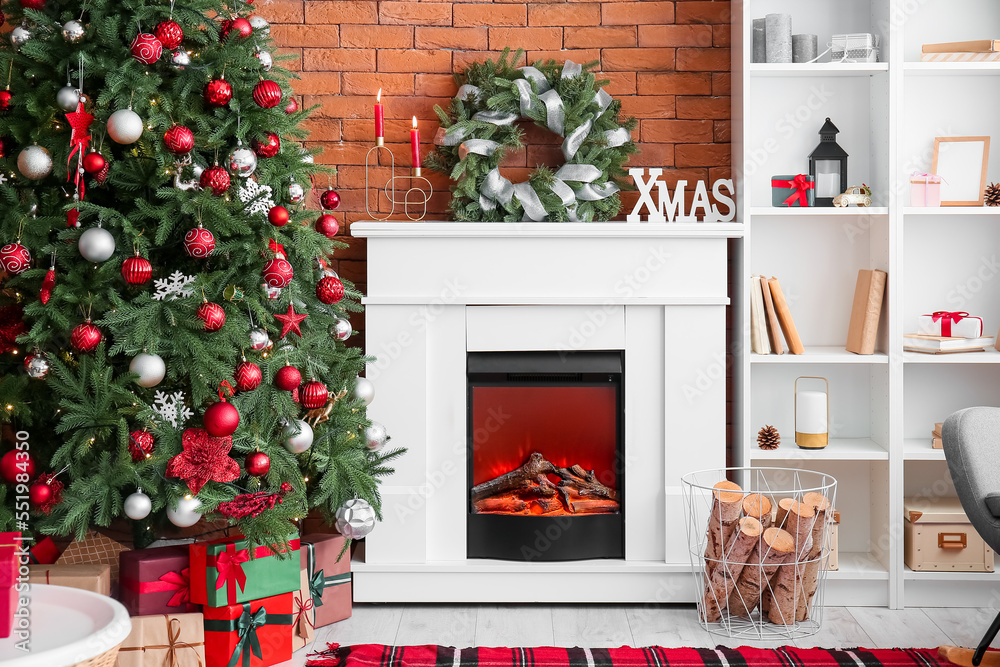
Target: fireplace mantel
439,290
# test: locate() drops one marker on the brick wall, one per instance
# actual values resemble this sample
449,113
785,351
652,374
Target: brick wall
667,61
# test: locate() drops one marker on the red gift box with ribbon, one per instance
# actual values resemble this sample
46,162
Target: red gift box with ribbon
156,581
223,572
252,634
45,552
793,190
958,324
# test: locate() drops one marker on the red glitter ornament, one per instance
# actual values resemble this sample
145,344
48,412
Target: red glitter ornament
146,48
330,290
11,326
169,33
137,270
238,26
102,175
48,284
247,375
287,378
253,504
39,494
290,321
179,140
278,216
268,146
199,242
205,458
329,200
215,179
6,145
140,445
93,162
313,394
85,337
218,92
327,225
292,107
17,467
72,218
46,492
277,272
267,94
33,4
257,464
5,98
14,258
212,315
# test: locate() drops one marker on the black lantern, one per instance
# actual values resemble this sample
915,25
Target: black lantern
828,165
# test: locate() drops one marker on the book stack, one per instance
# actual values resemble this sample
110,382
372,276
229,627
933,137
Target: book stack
936,436
770,318
927,344
977,51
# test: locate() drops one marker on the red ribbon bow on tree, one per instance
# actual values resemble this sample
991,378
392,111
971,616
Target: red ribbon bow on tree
947,319
229,564
799,185
276,248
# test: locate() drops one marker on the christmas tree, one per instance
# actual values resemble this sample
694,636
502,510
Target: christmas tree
154,244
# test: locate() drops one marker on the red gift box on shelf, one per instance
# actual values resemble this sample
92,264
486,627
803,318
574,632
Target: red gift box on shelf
252,634
223,573
9,546
45,552
329,572
156,581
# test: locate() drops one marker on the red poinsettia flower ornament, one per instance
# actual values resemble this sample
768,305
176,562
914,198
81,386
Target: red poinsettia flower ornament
205,459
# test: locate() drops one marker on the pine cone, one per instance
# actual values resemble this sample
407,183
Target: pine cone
768,438
993,194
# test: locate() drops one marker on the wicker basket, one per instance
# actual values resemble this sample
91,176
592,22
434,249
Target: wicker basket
107,659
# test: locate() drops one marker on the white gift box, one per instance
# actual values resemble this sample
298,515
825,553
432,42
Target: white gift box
957,324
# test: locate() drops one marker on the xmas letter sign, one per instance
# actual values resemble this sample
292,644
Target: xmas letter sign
674,209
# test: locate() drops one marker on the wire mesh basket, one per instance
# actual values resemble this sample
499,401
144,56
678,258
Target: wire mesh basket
759,541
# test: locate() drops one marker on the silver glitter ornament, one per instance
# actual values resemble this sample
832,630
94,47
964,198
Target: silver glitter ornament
260,25
125,126
186,514
73,31
266,61
138,506
298,436
258,339
180,59
341,329
376,436
364,390
97,244
242,162
355,519
295,193
37,366
34,162
19,36
68,98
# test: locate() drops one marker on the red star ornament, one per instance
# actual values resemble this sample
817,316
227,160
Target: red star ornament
290,322
205,459
80,122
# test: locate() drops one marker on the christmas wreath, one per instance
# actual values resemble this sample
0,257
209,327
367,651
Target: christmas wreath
481,128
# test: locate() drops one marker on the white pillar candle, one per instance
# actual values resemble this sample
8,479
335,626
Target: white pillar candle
810,412
827,185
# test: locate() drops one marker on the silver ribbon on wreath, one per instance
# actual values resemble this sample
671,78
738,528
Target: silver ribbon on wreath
496,189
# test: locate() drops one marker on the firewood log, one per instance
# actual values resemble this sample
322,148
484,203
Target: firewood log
595,506
786,584
768,554
726,507
810,577
782,511
759,507
548,505
534,470
499,505
727,573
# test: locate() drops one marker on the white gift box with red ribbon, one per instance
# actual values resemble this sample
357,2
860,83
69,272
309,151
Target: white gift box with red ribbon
956,324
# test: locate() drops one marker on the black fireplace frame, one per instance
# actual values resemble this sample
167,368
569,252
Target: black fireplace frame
542,538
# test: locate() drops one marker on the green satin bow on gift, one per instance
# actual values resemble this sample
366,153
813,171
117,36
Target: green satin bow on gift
246,628
317,582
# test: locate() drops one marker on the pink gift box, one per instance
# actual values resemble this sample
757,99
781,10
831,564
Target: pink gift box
925,189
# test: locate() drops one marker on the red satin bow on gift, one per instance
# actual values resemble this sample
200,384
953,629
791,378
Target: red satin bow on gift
799,184
229,563
179,582
947,319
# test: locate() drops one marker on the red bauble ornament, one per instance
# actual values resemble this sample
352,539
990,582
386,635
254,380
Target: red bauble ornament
39,493
257,464
267,94
146,48
330,290
292,107
14,258
240,26
313,394
137,270
268,146
140,445
327,225
93,162
205,458
85,337
278,216
287,378
248,376
179,140
46,492
218,92
277,272
5,98
15,463
212,315
221,419
33,4
6,145
329,200
102,175
169,33
199,242
215,179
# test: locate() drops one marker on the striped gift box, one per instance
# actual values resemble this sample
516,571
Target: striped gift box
960,57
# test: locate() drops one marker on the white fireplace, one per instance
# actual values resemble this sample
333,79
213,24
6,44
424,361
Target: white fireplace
440,291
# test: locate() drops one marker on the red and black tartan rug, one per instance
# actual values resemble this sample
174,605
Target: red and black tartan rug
377,655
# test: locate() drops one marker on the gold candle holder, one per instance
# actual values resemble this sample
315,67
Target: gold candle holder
416,196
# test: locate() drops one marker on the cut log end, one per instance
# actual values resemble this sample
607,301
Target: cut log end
757,506
728,492
817,501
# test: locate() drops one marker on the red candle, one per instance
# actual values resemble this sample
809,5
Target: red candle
379,116
415,144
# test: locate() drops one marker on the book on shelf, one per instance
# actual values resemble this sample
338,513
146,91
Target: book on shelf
866,311
773,328
758,323
927,344
936,442
973,46
785,317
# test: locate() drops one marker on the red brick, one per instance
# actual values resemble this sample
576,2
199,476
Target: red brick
621,83
323,129
293,64
415,13
365,83
316,83
339,60
335,12
649,106
676,131
703,107
462,59
338,106
451,38
673,83
540,154
722,83
703,12
654,155
675,35
474,15
702,60
723,131
576,55
283,12
584,14
637,60
638,13
400,60
435,85
515,158
538,38
702,155
306,35
376,36
722,35
585,38
363,129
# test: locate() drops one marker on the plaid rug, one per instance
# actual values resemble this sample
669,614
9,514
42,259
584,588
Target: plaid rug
377,655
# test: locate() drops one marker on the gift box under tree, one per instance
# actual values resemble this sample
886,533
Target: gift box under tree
94,578
329,569
156,581
793,190
223,572
45,552
252,634
303,614
94,549
164,640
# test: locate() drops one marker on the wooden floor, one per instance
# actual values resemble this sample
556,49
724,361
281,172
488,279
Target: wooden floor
635,625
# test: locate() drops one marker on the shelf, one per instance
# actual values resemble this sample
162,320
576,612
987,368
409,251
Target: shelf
839,449
949,576
948,69
857,565
818,211
817,69
919,449
821,355
990,356
951,210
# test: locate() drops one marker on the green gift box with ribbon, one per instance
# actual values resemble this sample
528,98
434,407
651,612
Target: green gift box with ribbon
328,567
223,572
252,634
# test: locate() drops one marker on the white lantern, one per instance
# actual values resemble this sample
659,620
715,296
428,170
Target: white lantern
812,415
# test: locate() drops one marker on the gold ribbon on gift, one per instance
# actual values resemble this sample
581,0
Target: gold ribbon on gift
172,645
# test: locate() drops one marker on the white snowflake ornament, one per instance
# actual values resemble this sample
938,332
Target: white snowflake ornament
257,197
171,407
174,287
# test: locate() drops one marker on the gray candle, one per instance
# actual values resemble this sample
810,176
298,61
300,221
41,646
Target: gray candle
804,48
778,38
759,46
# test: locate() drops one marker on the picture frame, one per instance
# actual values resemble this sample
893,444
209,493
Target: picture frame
961,162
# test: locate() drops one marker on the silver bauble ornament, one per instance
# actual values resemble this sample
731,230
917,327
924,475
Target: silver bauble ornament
68,98
149,367
138,506
242,162
376,436
266,61
298,436
186,514
97,244
34,162
37,366
19,36
260,25
125,126
73,31
295,193
258,339
180,59
355,519
341,329
364,390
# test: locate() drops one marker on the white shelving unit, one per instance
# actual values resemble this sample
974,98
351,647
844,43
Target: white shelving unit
883,406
